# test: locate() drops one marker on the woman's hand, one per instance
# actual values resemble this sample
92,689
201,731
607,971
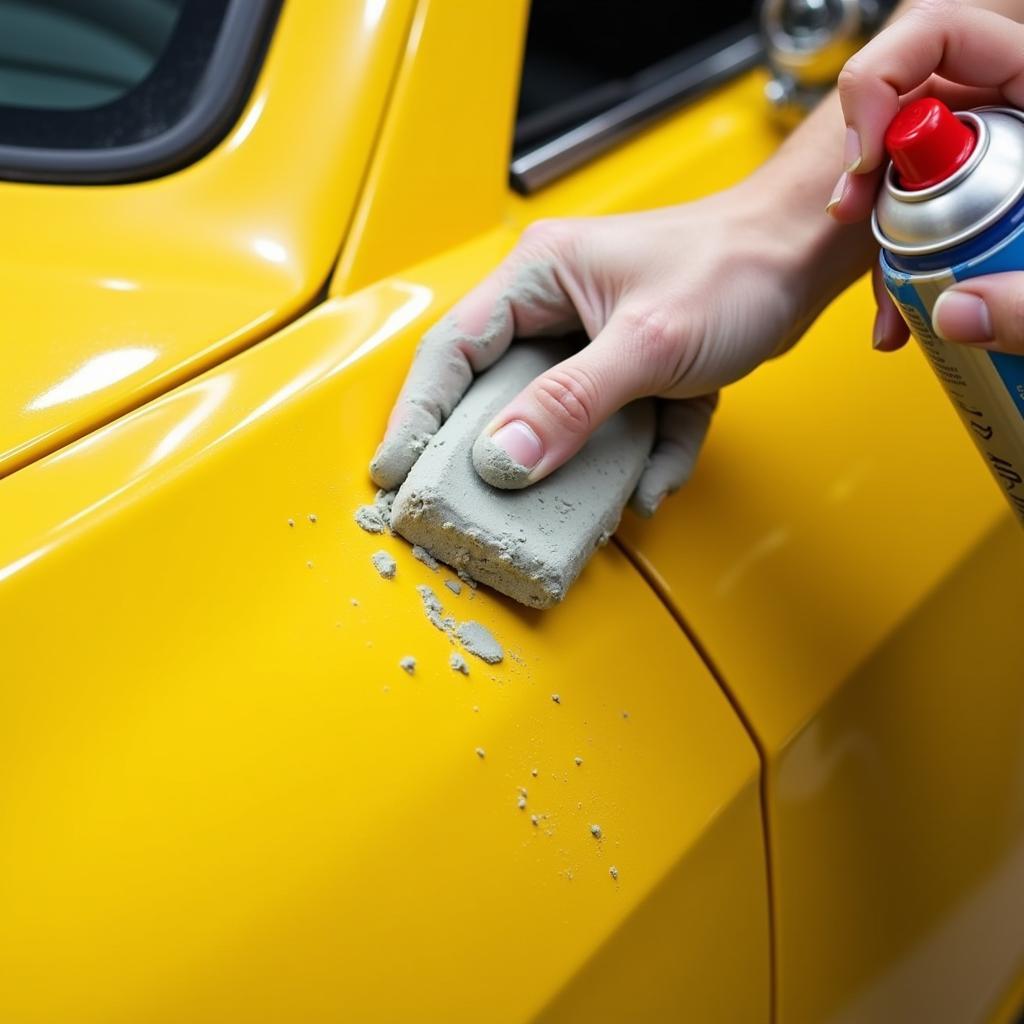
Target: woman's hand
967,57
677,303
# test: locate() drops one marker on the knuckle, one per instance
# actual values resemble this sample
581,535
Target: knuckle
657,342
851,75
568,395
549,233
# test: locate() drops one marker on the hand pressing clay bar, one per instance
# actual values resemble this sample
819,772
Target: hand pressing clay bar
529,544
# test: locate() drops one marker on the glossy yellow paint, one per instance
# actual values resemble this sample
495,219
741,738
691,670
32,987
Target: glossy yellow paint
853,574
116,293
447,134
221,791
211,800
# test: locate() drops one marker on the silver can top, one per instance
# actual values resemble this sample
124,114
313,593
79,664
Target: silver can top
975,196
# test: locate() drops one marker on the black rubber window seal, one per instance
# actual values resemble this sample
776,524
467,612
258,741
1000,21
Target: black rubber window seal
230,60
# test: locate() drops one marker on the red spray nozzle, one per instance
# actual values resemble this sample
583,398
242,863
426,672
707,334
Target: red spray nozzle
927,143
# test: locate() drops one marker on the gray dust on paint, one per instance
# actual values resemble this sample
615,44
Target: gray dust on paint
384,564
434,610
475,637
458,663
454,586
376,517
479,640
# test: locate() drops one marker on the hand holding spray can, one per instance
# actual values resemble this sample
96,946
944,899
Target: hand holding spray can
951,207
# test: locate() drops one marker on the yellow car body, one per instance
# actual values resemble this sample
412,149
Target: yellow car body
796,694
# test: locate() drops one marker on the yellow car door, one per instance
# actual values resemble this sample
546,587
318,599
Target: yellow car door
225,799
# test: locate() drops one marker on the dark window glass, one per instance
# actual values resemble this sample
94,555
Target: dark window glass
69,56
587,57
118,89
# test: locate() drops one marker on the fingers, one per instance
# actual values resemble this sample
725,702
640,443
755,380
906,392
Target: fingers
682,427
986,311
853,197
890,331
963,44
523,296
552,417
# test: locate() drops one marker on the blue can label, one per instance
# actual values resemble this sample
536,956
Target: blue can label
986,388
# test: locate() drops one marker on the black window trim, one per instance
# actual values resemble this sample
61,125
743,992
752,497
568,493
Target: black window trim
220,95
681,78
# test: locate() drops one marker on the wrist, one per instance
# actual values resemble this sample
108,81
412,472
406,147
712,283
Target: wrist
816,257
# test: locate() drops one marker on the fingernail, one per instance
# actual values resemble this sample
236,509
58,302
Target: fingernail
851,150
521,443
876,333
963,317
837,192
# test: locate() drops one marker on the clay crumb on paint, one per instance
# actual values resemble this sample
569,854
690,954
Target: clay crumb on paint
376,517
577,761
408,664
556,698
454,586
595,831
476,708
534,820
521,803
355,604
458,663
312,518
421,554
291,522
534,772
479,640
384,564
309,565
614,872
434,610
481,753
625,714
368,517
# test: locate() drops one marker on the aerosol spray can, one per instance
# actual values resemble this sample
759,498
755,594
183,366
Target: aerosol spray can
951,207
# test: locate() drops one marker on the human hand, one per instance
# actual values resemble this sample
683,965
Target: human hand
677,303
967,57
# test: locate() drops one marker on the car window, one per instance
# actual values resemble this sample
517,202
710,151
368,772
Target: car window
594,70
108,90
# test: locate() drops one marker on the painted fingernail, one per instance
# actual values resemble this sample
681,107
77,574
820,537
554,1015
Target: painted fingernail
837,192
963,317
851,150
521,443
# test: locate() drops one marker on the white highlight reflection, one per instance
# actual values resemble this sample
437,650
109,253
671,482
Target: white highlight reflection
247,123
373,12
211,393
95,374
7,571
270,250
119,284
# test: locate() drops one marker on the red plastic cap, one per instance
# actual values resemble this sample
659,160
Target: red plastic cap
927,143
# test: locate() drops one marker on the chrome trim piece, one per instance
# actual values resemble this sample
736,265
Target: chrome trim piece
537,167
